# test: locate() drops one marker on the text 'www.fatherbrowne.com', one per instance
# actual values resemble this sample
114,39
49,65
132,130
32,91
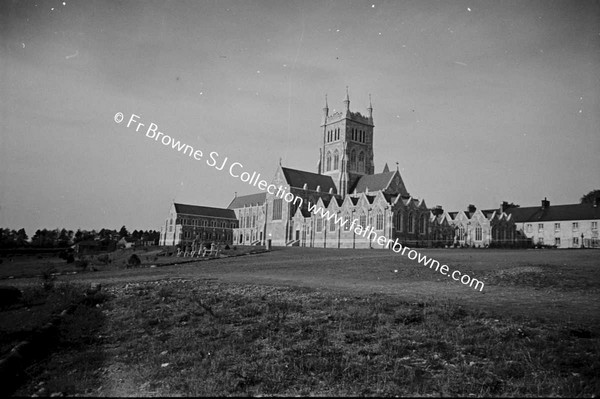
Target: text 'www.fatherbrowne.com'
236,170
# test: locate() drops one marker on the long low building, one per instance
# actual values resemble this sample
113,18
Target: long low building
192,224
561,226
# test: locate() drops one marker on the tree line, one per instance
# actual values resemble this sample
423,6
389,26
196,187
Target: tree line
62,238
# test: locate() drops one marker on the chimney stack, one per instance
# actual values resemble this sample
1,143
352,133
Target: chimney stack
545,203
472,208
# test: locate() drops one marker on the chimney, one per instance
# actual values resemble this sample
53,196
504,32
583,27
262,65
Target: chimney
545,203
472,208
438,210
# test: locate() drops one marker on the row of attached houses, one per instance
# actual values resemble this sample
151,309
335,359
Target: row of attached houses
560,226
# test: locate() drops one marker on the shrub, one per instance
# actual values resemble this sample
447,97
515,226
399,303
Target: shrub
134,261
103,258
81,263
70,258
48,278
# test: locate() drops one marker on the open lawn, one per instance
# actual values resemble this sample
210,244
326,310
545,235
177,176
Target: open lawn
340,322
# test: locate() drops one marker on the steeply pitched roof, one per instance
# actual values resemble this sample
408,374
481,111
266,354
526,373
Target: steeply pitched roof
554,213
488,212
297,178
204,211
377,182
248,200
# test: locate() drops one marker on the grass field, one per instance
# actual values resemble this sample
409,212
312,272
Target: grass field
340,322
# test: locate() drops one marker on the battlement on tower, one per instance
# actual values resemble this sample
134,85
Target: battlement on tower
354,116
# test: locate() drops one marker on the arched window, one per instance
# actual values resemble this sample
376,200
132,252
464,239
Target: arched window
213,223
336,160
363,221
353,160
478,233
379,223
399,221
361,162
410,223
347,225
328,161
328,135
332,225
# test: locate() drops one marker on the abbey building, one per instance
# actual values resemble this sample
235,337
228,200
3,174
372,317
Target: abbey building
344,184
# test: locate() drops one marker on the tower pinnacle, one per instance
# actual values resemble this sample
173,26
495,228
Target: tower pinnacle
347,100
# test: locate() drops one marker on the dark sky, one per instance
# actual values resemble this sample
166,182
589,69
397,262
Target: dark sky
478,101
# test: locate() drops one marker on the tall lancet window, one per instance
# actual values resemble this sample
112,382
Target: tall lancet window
361,162
353,160
328,161
336,160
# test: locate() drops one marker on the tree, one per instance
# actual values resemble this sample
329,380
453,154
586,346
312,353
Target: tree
123,232
63,238
8,238
590,197
21,238
78,236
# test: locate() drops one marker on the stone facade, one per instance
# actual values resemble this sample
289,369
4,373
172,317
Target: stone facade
347,188
189,225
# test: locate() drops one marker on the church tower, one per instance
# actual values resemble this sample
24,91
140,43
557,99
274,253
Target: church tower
347,145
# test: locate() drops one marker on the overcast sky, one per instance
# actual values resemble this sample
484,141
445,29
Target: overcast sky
478,101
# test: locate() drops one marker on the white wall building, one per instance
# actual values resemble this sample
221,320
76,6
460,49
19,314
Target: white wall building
563,226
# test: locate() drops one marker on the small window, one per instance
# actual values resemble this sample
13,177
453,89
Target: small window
556,226
529,227
540,227
557,241
575,241
594,225
575,226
